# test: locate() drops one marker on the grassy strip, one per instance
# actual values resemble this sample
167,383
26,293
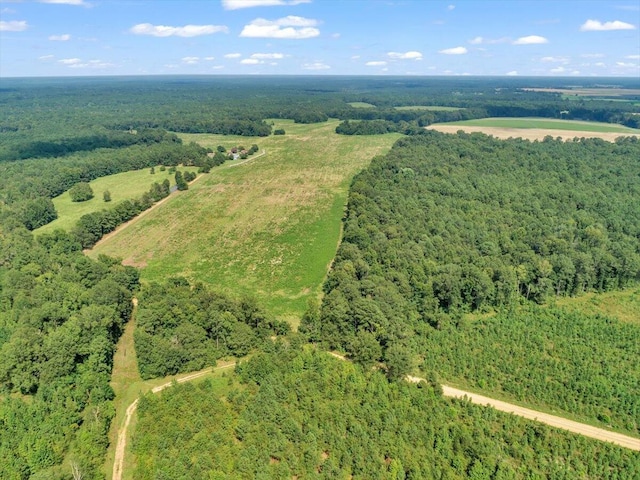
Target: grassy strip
545,123
431,108
122,186
268,228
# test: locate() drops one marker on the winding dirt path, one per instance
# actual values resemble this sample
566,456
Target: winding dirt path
118,462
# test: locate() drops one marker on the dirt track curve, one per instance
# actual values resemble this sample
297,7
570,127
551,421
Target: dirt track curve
118,462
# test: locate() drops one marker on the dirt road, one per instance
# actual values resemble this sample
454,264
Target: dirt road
118,463
552,420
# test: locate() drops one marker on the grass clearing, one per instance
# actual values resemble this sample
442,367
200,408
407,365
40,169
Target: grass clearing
268,228
623,305
431,108
361,105
122,186
545,123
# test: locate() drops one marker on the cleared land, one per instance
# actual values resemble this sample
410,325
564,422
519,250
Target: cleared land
268,228
589,92
537,129
122,186
623,305
362,105
431,108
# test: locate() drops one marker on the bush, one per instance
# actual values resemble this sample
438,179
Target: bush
279,131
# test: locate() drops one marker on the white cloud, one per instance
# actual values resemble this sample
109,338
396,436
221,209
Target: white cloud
633,57
598,26
599,64
268,56
592,55
190,60
564,60
250,61
512,73
412,55
13,26
454,51
376,64
315,66
209,59
531,40
186,31
488,41
7,11
60,38
66,2
451,7
236,4
335,35
96,64
70,61
291,27
626,65
45,57
233,55
558,70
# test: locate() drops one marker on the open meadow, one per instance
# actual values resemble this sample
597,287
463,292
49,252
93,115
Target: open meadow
268,228
538,128
121,186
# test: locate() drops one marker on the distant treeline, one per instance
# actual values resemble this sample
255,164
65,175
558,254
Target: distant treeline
243,127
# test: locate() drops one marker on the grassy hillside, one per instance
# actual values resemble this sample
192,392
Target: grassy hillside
268,227
122,186
546,123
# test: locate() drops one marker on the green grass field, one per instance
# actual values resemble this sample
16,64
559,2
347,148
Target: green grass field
361,105
545,123
122,186
623,305
268,228
431,108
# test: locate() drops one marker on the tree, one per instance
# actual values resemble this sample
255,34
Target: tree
279,131
106,196
180,182
81,192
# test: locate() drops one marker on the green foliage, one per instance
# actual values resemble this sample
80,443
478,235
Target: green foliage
304,414
181,183
181,328
445,225
60,316
106,196
279,131
81,192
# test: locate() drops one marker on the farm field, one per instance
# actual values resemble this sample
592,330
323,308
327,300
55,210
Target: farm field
545,123
537,128
362,105
122,186
431,108
268,228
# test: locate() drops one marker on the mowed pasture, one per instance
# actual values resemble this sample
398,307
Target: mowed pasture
362,105
122,186
267,228
537,128
430,108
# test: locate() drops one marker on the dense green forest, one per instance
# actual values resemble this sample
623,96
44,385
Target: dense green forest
445,225
293,413
442,226
60,317
183,327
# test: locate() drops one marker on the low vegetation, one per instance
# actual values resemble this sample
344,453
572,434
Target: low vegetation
292,413
546,123
269,227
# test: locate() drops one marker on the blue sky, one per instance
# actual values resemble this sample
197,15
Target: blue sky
329,37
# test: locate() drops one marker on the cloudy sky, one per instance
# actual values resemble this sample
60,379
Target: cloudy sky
336,37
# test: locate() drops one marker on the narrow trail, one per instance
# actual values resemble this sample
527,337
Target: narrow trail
135,219
118,462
